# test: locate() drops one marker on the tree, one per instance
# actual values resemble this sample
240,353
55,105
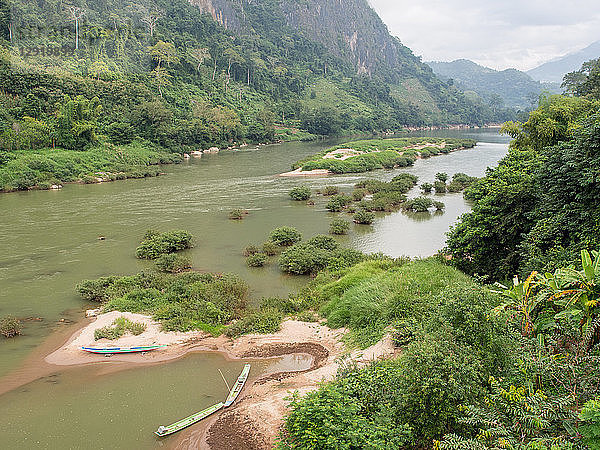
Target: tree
77,121
585,81
161,78
163,52
151,16
76,14
200,55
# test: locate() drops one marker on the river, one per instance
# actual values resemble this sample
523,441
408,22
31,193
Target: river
50,243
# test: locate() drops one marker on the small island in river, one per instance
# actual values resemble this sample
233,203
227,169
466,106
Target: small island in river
367,155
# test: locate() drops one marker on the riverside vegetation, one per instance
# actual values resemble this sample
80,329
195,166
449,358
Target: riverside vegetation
367,155
106,96
512,365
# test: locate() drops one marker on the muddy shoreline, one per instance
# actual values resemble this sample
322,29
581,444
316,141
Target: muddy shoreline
255,419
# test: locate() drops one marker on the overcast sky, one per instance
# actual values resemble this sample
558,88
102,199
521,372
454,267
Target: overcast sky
496,33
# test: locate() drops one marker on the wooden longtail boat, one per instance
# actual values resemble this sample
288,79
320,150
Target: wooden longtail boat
238,386
183,423
114,350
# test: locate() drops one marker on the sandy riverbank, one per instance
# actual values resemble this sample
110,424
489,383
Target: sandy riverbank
306,173
254,421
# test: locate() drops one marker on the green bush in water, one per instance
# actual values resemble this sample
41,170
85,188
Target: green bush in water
173,263
251,250
300,193
339,226
419,204
427,188
270,248
257,260
440,187
285,236
95,290
364,217
323,242
156,244
10,326
303,258
330,190
338,202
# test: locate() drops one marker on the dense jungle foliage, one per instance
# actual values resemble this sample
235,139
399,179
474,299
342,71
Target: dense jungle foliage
541,206
480,366
147,77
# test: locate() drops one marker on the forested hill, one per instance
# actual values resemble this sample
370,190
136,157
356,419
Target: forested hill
508,87
180,74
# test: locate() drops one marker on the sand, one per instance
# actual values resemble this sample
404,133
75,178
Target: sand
306,173
254,421
70,353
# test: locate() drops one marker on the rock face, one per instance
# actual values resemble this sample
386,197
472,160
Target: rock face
349,29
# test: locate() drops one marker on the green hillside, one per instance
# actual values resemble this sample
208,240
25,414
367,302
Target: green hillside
509,87
176,76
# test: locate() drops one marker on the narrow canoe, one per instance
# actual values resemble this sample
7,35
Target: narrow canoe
113,350
238,386
183,423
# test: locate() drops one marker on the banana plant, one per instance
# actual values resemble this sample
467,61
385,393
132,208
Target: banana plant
576,292
520,298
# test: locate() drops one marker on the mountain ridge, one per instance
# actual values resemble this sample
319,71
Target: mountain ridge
555,69
514,87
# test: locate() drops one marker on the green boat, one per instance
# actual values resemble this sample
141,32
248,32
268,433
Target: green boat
238,386
183,423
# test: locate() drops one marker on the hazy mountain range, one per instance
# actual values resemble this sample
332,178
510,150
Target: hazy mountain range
556,69
516,89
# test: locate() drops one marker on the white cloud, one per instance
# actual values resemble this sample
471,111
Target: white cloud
498,34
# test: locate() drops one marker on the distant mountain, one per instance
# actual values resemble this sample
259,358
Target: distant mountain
556,69
515,88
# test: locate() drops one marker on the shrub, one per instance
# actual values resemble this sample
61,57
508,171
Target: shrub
440,187
364,217
285,236
257,260
590,416
441,176
181,302
343,258
172,263
427,188
338,202
302,259
10,327
95,290
454,187
110,333
358,194
300,193
404,182
270,248
119,327
237,214
339,226
156,244
264,321
323,242
330,190
251,250
419,204
438,205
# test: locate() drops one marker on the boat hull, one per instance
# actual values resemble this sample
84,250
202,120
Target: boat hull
121,350
188,421
238,386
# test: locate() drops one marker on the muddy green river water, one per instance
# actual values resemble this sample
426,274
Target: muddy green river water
49,242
